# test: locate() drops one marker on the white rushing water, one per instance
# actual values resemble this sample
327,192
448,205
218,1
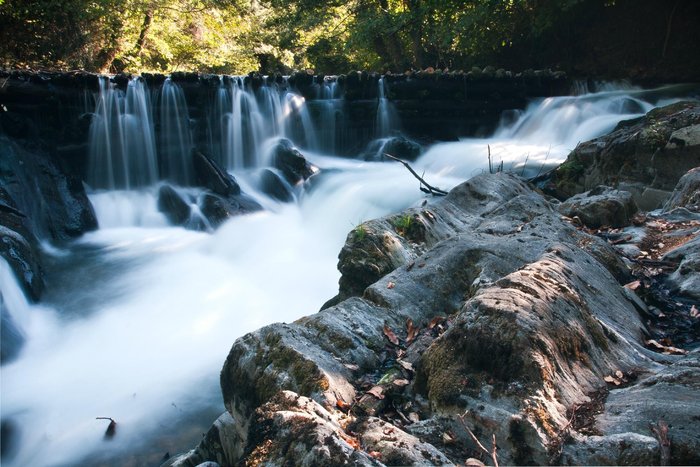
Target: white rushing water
145,313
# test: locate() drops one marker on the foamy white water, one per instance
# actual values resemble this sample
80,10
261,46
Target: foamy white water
152,309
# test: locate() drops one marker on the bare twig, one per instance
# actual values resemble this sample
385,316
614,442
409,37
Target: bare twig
660,430
428,188
492,452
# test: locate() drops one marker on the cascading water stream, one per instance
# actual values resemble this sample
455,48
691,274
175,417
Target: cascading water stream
142,315
122,145
175,135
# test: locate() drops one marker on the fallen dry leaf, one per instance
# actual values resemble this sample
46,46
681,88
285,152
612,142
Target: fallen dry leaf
342,405
411,331
435,321
666,349
405,365
619,374
375,454
391,285
353,442
694,312
414,417
634,285
401,382
390,335
377,392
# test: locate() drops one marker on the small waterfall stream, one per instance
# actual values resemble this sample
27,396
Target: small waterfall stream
143,314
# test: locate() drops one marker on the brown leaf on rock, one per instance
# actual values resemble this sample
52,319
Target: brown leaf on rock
634,285
390,335
342,405
435,321
666,349
375,454
694,313
411,331
401,382
377,391
405,365
391,285
353,442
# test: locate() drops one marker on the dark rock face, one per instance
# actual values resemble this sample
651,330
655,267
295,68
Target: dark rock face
601,206
294,166
170,203
18,246
651,152
54,202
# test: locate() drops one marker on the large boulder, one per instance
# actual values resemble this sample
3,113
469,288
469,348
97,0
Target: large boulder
687,193
670,396
600,207
490,307
651,152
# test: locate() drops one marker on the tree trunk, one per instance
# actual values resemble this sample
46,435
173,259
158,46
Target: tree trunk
145,26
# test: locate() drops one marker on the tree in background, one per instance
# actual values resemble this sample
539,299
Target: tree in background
605,38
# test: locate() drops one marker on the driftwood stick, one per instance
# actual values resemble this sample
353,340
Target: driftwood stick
492,452
430,189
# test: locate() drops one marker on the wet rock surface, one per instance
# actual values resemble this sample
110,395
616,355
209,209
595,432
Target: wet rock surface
486,311
650,152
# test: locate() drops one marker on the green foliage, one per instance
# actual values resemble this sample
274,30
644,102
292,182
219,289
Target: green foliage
333,36
403,223
360,233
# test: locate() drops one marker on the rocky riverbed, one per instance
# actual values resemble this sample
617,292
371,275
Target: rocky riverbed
496,324
550,321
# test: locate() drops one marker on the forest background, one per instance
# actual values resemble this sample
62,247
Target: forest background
653,40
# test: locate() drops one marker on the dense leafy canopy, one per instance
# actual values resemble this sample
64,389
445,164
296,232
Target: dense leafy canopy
332,36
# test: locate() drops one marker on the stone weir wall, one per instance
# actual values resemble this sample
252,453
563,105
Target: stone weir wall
56,107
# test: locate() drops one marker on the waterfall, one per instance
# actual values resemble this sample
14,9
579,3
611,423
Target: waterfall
139,315
386,115
122,147
175,134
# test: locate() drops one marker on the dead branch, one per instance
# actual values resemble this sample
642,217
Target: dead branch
428,188
492,452
660,430
111,428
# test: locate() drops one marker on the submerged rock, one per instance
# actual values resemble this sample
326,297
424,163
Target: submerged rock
173,206
294,166
217,209
272,184
209,175
653,151
397,146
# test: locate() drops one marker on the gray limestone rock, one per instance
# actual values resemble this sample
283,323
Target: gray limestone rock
601,206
